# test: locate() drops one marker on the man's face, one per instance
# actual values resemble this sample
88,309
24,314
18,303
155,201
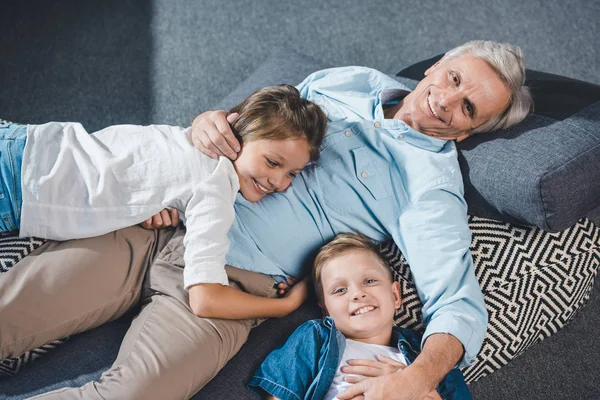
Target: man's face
360,296
455,97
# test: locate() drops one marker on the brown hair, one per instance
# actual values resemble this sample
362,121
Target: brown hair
341,244
279,113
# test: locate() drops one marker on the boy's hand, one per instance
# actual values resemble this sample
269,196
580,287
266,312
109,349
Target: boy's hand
164,219
212,135
297,294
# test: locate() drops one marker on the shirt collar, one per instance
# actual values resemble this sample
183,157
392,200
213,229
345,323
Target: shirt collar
399,128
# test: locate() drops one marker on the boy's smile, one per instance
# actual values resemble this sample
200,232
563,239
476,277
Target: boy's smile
360,297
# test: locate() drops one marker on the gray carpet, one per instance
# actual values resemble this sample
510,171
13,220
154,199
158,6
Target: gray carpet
128,61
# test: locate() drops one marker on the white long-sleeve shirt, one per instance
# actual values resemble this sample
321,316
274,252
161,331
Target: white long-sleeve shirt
78,185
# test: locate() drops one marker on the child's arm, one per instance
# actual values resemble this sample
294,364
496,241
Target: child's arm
278,378
213,300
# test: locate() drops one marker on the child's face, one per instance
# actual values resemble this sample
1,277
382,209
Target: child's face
266,166
360,297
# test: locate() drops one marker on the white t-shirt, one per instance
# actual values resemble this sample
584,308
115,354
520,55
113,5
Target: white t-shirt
359,350
78,185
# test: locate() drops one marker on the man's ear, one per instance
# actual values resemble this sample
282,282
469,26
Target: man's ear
433,66
396,293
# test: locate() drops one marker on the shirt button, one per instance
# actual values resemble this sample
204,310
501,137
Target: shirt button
401,136
364,174
347,133
377,124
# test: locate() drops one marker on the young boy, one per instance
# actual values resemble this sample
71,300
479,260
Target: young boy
356,291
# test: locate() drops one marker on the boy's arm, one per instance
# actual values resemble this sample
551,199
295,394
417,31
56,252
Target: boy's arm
276,376
213,300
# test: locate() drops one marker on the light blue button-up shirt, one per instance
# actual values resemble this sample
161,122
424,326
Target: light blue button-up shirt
384,179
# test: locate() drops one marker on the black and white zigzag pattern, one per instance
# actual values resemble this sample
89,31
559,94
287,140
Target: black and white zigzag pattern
12,250
11,366
534,282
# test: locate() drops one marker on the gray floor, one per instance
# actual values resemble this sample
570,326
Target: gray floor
132,61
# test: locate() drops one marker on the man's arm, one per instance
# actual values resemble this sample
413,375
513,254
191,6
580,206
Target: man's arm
440,354
417,381
212,135
434,237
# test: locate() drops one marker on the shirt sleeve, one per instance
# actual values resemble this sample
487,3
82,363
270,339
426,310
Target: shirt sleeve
209,216
348,93
289,370
434,237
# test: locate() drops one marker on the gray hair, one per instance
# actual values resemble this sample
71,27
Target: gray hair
507,60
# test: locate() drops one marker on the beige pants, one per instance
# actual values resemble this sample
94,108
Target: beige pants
68,287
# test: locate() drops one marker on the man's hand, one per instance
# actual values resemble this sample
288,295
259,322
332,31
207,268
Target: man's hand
401,385
418,381
212,135
164,219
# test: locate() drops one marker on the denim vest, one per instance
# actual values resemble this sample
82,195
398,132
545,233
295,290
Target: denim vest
305,365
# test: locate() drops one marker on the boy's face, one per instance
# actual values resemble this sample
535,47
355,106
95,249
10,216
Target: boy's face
360,297
266,166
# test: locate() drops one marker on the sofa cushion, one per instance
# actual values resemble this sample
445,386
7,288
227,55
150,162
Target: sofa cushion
541,172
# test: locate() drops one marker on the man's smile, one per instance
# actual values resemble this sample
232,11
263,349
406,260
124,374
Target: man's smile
432,108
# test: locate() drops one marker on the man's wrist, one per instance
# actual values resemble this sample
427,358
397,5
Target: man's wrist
421,379
441,353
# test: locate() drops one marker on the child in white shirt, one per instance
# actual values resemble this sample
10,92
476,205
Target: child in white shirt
60,182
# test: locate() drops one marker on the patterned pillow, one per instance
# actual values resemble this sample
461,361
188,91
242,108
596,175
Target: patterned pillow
533,281
12,250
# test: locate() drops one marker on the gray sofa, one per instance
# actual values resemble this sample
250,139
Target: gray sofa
530,180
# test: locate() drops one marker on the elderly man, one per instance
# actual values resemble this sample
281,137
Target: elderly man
389,169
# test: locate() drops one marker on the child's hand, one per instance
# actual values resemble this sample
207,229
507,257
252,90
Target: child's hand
164,219
297,294
284,287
